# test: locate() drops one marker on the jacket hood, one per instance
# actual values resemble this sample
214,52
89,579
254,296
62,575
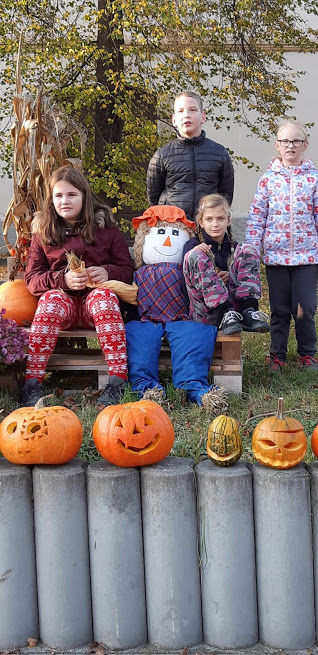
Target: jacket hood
305,166
36,221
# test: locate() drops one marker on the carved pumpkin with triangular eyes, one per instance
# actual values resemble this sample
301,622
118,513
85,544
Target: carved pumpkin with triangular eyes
133,434
278,441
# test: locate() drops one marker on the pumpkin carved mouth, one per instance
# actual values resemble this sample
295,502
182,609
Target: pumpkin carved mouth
144,449
223,458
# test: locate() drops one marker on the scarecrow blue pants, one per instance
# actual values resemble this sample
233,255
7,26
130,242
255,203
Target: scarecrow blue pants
191,345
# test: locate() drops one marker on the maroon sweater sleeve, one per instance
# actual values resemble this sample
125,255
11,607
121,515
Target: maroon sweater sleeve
38,275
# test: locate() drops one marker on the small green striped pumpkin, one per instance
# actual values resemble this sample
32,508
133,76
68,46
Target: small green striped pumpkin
224,445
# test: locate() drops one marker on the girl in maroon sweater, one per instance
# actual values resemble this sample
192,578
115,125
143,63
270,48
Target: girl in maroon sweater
74,220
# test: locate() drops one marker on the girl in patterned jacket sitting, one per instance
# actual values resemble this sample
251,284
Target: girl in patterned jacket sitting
283,222
222,277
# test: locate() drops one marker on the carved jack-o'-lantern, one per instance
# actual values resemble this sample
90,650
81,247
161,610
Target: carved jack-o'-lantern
40,435
133,434
278,441
224,445
314,441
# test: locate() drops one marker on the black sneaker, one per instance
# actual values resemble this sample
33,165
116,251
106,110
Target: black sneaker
254,320
31,392
307,361
111,393
231,322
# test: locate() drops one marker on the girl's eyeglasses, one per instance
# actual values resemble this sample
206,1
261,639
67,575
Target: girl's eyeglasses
296,143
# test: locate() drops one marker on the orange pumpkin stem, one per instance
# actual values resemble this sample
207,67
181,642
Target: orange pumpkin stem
280,410
40,404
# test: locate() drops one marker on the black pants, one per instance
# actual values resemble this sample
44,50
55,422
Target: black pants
292,292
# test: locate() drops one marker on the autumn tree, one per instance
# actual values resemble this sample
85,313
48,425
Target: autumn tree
114,66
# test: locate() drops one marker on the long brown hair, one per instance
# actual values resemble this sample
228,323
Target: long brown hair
52,228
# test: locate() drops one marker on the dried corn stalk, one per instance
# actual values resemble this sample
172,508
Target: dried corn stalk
40,136
126,292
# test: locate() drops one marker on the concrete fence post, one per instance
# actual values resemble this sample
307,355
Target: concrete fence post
171,553
284,557
18,599
116,555
229,603
313,470
62,557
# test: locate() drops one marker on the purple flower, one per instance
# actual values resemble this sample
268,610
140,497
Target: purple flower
12,340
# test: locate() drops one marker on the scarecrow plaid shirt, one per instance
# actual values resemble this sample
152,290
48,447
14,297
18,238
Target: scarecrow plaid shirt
160,298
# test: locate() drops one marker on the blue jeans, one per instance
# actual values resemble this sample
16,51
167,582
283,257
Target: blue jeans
191,345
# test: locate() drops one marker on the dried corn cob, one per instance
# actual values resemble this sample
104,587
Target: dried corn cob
126,292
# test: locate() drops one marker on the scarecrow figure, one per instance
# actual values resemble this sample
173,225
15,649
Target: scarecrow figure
163,310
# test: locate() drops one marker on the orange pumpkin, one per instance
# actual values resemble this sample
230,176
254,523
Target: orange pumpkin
133,434
314,441
40,435
18,302
278,441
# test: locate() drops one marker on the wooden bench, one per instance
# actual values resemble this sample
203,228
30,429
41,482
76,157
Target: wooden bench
226,364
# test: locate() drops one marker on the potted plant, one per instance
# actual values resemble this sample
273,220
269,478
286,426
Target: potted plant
13,340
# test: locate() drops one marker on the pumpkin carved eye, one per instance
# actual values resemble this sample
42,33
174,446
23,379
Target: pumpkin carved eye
293,445
267,443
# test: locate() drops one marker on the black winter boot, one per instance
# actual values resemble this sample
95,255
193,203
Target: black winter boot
111,393
31,392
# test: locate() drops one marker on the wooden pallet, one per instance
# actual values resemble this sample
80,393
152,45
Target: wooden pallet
226,363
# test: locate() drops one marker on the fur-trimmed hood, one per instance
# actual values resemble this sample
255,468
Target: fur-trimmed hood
98,222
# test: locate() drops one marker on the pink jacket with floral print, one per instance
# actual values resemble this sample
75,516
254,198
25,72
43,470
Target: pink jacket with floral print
283,218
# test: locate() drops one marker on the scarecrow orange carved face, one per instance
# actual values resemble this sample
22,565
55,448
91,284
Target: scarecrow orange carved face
50,435
133,434
279,442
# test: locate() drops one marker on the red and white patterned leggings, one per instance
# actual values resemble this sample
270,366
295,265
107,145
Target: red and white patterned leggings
58,311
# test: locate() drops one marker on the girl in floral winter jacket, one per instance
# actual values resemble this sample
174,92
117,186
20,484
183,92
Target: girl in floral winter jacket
283,222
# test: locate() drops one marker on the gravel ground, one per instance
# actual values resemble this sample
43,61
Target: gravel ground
200,649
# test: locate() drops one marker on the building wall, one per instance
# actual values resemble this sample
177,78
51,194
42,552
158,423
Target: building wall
260,152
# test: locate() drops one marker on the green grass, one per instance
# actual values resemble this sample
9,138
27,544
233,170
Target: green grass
298,387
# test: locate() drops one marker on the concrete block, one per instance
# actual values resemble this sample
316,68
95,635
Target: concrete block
18,598
232,383
284,557
171,553
62,556
229,603
116,556
313,470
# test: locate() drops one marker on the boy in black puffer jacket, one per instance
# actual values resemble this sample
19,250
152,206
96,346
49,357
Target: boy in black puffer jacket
190,166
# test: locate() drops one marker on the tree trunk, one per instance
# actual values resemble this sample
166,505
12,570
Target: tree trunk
108,126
